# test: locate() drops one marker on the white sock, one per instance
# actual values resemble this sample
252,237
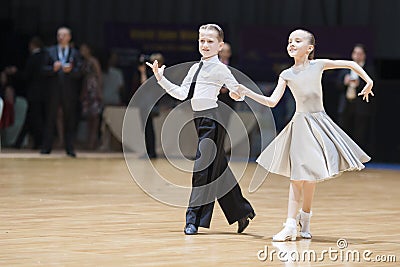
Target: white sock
290,222
305,221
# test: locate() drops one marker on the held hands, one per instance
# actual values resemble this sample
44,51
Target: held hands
158,72
366,91
240,94
234,96
67,68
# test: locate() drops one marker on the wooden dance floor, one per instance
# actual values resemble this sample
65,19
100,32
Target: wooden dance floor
88,211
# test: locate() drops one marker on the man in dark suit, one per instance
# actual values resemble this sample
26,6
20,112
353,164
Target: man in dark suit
35,93
63,66
356,116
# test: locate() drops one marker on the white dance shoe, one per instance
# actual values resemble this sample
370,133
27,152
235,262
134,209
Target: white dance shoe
288,233
303,220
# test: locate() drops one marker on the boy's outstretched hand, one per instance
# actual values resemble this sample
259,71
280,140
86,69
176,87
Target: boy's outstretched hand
158,72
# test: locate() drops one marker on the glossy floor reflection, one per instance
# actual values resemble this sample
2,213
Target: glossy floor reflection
88,211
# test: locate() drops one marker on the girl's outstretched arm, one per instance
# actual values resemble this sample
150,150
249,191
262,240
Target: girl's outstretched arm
270,101
347,64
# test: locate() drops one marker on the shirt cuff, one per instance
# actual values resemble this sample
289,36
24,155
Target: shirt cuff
164,83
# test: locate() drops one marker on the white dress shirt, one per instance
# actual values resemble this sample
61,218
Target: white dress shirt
212,76
63,57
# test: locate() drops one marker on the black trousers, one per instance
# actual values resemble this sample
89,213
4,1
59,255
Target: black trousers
211,167
69,106
34,123
149,136
357,126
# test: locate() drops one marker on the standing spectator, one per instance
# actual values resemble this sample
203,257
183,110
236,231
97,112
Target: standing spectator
91,95
63,65
149,127
224,56
35,93
355,115
113,90
113,81
1,110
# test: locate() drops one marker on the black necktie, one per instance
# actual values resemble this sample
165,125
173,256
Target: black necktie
193,84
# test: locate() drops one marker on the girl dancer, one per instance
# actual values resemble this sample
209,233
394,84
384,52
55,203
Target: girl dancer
311,148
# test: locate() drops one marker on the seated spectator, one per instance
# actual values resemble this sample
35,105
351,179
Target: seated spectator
7,93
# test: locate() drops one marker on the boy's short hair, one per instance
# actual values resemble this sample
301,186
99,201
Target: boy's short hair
214,27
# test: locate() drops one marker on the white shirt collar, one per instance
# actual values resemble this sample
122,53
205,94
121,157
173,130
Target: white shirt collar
211,60
60,47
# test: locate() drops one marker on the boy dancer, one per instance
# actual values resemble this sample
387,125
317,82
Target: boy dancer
202,85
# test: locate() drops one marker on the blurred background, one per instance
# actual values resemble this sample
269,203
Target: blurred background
128,32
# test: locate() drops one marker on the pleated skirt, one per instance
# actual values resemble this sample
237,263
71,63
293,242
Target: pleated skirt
312,148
